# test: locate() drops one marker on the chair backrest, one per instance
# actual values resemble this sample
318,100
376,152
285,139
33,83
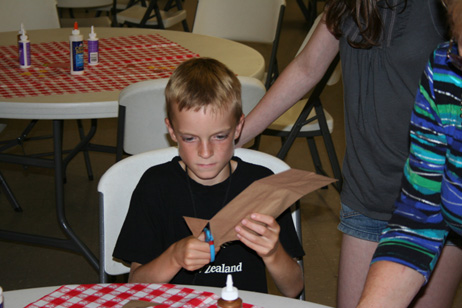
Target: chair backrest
115,188
144,104
243,20
144,127
74,4
239,20
34,14
151,16
163,18
119,181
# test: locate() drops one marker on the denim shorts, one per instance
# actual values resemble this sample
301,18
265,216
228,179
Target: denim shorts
360,226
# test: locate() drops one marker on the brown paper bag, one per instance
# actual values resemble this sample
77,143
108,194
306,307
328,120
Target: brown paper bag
270,195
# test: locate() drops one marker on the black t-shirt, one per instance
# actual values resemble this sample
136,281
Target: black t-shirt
155,221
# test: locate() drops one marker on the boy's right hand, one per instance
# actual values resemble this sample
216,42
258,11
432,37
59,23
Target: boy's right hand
192,253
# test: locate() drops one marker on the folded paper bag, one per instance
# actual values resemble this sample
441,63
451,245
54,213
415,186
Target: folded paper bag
270,195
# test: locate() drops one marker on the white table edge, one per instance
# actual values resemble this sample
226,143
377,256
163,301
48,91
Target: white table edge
59,111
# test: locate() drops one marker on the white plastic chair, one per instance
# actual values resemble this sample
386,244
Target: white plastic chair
118,182
151,16
245,21
308,119
101,21
34,14
120,6
73,4
117,6
142,113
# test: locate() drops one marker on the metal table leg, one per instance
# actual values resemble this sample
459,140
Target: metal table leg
9,194
72,243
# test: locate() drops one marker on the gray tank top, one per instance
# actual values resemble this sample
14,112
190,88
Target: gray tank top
379,90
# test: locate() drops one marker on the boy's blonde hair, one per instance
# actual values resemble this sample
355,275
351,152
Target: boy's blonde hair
203,82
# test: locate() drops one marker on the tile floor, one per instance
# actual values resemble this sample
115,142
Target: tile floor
26,266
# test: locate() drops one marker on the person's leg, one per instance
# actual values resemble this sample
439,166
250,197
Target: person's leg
355,258
360,238
359,241
443,283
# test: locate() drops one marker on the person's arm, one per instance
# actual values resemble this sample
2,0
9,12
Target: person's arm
390,284
412,242
261,233
299,77
189,253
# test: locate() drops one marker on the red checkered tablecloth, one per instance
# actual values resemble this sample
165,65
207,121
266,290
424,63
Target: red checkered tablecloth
116,295
123,61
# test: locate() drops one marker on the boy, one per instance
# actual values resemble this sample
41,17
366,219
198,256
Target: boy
204,117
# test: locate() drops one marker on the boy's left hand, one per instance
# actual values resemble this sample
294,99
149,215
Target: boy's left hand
259,232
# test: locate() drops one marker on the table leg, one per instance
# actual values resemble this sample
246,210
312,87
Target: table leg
9,194
59,187
82,146
72,242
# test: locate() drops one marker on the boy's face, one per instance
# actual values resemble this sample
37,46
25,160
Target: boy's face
205,142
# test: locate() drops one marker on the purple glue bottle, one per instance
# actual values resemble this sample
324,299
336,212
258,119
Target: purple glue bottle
24,49
93,48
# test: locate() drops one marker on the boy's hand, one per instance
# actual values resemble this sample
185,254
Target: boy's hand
192,253
260,233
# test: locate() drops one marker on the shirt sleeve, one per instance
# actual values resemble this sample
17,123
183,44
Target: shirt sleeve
416,233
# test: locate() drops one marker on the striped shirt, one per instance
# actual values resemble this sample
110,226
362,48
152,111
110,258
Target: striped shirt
430,202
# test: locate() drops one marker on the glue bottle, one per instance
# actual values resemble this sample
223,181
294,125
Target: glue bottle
93,48
229,295
24,49
21,32
76,51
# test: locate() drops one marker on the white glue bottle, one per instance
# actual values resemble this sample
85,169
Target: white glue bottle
93,48
76,51
24,49
229,295
21,31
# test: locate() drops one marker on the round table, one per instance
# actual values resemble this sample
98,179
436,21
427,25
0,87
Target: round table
241,59
21,298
